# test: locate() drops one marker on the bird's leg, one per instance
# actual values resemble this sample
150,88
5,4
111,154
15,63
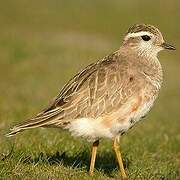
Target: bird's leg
93,157
119,158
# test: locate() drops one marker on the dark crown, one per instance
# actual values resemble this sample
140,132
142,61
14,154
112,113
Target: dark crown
143,27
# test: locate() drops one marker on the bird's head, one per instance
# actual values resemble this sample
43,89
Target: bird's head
146,40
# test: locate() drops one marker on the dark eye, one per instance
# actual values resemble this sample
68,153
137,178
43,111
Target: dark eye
145,38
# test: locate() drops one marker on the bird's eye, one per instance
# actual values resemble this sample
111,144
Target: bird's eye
145,38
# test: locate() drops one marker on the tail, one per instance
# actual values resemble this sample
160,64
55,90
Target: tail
44,119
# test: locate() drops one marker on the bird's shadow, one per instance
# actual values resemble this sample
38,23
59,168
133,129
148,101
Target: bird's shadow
105,162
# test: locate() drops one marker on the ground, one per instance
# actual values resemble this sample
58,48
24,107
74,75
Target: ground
42,44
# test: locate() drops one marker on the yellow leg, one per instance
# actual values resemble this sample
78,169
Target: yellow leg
93,157
119,158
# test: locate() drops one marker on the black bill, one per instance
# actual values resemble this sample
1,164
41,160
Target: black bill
168,46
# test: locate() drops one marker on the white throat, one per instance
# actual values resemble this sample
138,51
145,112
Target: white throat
147,50
143,48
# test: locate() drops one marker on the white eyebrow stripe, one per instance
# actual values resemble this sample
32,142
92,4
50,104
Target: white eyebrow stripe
141,33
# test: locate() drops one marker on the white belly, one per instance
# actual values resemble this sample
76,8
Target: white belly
93,129
143,110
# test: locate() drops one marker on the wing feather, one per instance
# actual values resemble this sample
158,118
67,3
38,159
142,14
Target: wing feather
96,90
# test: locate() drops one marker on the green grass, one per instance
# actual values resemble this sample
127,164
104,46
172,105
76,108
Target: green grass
42,44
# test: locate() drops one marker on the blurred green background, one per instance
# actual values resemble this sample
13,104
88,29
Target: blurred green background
42,44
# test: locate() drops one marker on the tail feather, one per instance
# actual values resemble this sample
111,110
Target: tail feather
43,119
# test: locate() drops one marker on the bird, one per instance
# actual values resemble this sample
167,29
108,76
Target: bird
109,96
